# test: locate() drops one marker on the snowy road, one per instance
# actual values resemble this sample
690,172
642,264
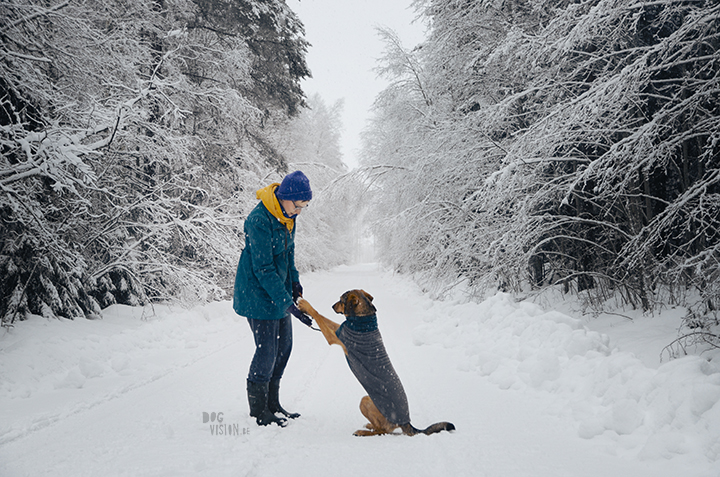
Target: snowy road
109,399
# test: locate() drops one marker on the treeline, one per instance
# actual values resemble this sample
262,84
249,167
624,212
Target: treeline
572,143
133,136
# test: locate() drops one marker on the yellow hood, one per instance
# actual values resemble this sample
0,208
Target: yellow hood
267,196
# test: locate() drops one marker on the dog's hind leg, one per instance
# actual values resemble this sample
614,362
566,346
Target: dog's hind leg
378,423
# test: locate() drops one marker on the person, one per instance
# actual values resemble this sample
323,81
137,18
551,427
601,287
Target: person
267,284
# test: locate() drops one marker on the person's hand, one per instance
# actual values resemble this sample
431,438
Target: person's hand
297,291
293,310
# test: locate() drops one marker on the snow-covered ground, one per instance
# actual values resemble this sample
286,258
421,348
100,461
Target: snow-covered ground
533,392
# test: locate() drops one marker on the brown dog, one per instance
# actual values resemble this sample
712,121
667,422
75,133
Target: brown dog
361,341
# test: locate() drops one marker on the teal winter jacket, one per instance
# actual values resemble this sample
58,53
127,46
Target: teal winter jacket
266,271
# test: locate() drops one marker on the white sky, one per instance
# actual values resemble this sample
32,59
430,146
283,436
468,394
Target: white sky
344,50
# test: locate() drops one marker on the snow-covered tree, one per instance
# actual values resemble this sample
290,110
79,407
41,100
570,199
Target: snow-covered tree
563,142
331,225
131,136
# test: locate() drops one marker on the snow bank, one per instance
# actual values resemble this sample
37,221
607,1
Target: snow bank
651,413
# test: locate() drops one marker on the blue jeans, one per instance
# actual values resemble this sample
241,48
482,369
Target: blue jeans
273,344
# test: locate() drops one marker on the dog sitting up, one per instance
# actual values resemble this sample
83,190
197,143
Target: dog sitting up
386,405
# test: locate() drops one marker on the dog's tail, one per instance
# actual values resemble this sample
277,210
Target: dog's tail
410,430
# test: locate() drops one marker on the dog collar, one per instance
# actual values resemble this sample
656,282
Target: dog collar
362,323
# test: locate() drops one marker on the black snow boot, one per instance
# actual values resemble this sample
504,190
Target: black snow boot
258,400
274,400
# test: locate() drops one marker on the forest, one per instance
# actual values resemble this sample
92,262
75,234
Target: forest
134,136
572,144
524,144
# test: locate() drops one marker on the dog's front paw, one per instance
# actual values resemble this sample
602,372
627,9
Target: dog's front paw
304,306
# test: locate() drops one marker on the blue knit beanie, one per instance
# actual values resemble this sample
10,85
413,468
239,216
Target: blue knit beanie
295,186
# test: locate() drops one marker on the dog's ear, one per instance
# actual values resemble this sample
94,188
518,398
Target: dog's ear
368,304
367,295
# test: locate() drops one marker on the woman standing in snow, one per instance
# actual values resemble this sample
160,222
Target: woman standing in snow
266,287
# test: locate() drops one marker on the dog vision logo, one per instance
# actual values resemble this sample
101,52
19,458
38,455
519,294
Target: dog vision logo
220,428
